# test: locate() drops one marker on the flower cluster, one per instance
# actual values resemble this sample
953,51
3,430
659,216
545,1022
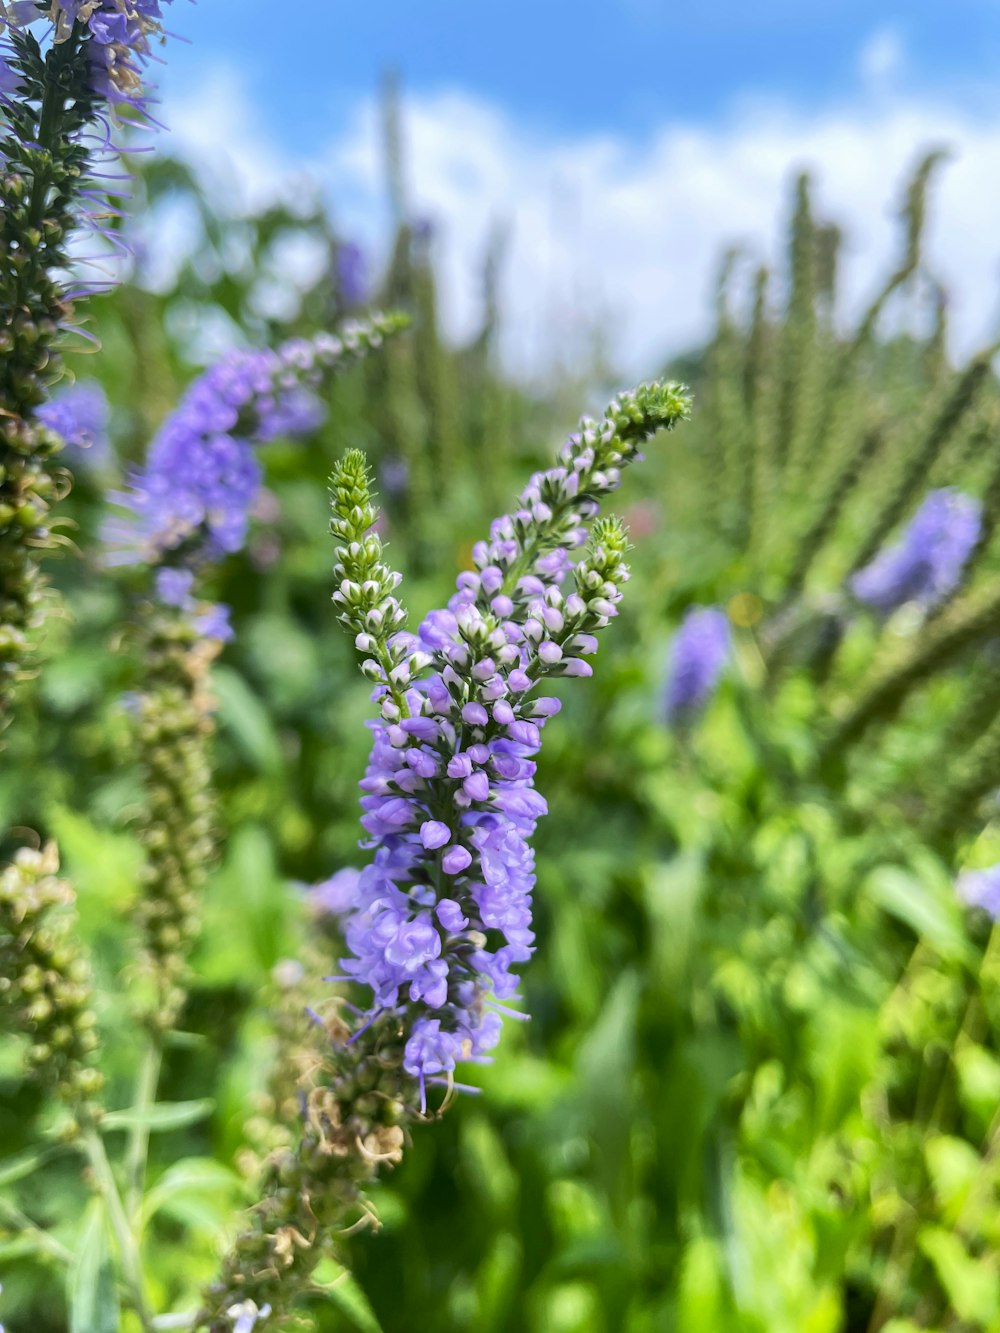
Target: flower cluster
926,564
191,502
443,912
699,654
194,495
118,33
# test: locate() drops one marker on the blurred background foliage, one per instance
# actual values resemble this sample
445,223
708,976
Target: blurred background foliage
760,1089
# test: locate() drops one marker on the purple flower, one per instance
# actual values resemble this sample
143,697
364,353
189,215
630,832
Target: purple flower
10,80
351,274
336,895
119,37
80,415
202,477
981,888
442,915
699,653
174,587
434,834
926,564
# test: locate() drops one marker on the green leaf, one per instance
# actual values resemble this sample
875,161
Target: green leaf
978,1080
673,892
196,1190
953,1165
243,715
344,1293
164,1115
932,914
103,865
92,1291
971,1285
605,1065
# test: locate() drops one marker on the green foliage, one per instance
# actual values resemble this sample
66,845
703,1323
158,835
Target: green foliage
759,1090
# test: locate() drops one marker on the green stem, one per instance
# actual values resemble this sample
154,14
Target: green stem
138,1147
128,1249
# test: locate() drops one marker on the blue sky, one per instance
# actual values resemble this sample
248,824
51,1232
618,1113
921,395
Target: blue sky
578,67
623,142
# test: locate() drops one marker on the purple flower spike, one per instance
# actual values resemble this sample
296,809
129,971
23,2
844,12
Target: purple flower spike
442,917
699,655
926,564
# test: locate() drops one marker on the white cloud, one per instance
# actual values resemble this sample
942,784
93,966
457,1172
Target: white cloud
628,235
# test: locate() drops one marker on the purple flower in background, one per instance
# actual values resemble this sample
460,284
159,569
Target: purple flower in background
981,888
175,587
351,274
80,415
202,476
926,564
394,473
699,653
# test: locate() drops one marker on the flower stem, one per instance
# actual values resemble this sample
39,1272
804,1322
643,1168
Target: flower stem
128,1249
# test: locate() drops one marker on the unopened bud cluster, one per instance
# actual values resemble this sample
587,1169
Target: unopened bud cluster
173,726
44,981
366,587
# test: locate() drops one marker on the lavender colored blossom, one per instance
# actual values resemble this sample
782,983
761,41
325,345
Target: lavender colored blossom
10,80
202,476
443,913
699,654
336,895
926,564
119,36
981,888
80,415
175,587
351,274
246,1315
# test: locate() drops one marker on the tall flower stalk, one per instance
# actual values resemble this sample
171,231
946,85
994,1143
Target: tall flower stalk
441,915
63,66
186,508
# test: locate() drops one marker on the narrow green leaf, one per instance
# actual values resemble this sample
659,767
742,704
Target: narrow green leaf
344,1293
92,1293
195,1188
245,718
164,1115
